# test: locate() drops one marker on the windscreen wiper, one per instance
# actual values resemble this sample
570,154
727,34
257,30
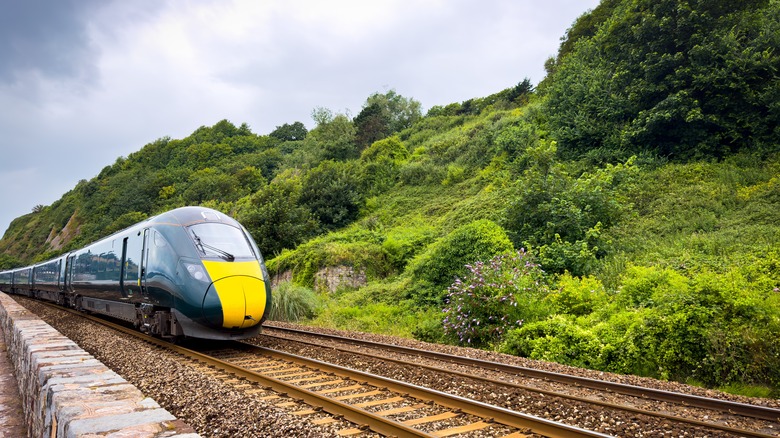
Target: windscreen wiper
204,246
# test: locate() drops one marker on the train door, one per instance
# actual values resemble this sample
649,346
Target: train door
69,272
132,257
144,262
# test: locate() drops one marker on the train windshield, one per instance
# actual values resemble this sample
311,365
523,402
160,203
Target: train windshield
220,240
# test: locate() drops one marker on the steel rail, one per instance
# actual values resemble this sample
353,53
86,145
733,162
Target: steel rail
498,414
736,431
353,414
744,409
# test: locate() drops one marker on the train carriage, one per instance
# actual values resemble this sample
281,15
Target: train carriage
192,272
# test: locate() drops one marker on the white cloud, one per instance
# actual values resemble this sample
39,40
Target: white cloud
131,72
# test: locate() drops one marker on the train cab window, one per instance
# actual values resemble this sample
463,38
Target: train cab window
159,240
220,241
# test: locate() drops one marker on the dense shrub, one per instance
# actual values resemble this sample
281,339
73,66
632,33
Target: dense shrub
417,173
562,216
577,296
714,328
341,249
429,330
332,193
403,243
275,217
435,269
391,148
557,339
684,78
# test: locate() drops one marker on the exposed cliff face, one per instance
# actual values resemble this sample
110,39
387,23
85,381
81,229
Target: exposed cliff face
330,278
37,235
57,240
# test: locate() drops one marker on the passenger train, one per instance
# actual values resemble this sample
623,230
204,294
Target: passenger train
190,272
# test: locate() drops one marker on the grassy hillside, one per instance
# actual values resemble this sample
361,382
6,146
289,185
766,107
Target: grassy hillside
619,218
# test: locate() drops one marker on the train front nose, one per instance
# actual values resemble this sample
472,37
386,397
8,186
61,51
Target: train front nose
236,298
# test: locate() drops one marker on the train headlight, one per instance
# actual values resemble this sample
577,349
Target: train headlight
197,272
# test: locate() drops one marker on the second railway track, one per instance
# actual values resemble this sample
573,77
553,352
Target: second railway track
701,413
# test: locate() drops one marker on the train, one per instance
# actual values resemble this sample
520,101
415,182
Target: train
192,272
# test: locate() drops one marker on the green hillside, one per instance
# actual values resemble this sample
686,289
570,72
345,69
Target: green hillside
624,215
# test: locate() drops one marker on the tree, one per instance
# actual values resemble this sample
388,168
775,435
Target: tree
682,78
384,114
332,193
210,184
275,217
372,124
321,115
287,132
336,135
9,262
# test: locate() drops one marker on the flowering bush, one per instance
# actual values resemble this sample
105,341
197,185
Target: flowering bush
494,297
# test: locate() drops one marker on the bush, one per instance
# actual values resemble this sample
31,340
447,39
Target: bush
429,330
562,216
577,258
577,296
332,193
291,303
342,249
390,148
714,328
435,269
275,217
557,339
494,297
642,284
418,173
403,243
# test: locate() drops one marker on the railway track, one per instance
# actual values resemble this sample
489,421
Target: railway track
716,413
321,393
373,400
351,402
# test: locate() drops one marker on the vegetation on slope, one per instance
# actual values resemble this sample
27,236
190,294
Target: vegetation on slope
624,216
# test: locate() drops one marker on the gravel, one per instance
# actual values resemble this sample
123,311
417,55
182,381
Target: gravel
213,406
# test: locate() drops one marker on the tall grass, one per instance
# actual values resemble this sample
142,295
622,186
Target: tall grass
291,302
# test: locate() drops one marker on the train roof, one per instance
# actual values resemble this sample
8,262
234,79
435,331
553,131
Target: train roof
186,216
182,216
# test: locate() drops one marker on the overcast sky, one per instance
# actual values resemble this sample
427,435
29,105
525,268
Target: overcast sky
83,82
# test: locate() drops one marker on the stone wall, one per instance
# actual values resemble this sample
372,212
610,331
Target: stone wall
68,393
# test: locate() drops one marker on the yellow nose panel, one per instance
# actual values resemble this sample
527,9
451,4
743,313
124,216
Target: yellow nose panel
241,291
